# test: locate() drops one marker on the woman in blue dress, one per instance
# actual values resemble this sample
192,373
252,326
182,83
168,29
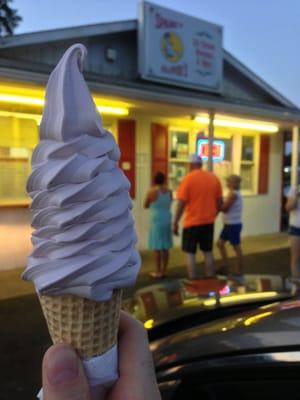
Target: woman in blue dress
158,200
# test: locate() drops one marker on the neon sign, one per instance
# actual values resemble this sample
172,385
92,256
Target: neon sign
218,149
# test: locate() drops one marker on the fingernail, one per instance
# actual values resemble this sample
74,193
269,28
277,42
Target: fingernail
62,365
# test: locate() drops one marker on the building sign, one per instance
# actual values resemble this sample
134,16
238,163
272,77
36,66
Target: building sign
218,149
179,49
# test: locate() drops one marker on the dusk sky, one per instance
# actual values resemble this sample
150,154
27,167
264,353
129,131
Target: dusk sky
263,34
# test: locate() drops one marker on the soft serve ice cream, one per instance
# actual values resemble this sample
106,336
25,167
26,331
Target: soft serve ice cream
84,239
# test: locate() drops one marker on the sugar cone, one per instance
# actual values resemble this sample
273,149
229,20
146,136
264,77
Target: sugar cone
90,327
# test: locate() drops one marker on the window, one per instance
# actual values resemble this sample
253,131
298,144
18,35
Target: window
228,149
15,169
223,168
179,145
247,164
247,148
17,139
178,156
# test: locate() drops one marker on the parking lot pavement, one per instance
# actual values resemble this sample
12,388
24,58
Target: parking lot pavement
263,254
274,262
23,340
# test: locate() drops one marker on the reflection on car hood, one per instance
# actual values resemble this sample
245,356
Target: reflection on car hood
171,300
272,326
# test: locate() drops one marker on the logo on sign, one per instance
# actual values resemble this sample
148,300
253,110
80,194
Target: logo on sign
218,149
171,46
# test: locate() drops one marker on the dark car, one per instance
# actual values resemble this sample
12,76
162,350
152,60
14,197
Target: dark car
213,341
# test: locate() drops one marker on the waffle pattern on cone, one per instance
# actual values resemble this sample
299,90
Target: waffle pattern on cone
90,327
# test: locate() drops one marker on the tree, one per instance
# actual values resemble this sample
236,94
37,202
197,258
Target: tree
9,18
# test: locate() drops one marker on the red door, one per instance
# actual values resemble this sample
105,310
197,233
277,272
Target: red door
126,141
159,134
263,177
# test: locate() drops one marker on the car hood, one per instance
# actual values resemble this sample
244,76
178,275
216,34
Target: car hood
268,327
171,300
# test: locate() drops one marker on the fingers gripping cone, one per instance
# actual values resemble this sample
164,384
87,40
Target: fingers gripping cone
90,327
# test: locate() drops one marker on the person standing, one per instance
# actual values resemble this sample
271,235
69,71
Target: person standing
232,209
199,197
158,200
293,207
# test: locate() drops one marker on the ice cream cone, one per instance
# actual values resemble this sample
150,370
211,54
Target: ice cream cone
84,239
90,327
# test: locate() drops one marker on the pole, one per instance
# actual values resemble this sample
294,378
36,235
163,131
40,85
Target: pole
295,156
210,165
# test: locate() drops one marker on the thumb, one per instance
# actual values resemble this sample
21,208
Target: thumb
63,375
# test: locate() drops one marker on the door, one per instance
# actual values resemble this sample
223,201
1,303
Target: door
159,134
127,143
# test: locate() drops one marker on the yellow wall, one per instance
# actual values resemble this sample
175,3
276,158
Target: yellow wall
18,132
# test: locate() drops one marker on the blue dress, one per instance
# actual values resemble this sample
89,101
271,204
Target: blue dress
160,235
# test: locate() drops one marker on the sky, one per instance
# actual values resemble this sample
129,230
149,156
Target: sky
263,34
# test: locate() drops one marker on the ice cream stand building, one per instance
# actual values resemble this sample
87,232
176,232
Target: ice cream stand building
165,87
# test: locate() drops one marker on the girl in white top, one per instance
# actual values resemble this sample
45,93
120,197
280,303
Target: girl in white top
232,209
293,207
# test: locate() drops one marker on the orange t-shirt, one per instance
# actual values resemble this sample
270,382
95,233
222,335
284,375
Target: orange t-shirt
199,190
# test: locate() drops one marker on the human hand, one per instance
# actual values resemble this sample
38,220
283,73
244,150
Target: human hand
137,377
64,379
175,229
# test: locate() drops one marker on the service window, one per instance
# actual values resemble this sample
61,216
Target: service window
178,157
17,140
248,164
179,145
15,169
223,165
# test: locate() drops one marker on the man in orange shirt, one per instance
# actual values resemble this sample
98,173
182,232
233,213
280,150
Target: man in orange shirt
200,198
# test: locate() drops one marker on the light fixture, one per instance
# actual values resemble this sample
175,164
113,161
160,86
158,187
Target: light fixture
112,110
36,99
227,122
19,99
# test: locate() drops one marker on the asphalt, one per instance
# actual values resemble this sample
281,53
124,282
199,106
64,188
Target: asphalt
254,249
23,334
